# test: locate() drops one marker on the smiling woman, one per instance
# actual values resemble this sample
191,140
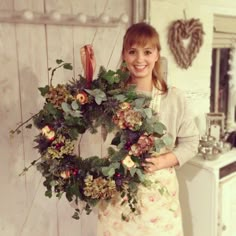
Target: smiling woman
158,212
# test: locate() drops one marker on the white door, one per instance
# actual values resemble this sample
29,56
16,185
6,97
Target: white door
227,201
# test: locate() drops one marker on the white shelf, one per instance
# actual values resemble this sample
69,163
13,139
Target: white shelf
56,18
223,160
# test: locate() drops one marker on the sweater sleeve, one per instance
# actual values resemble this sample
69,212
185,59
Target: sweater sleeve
187,134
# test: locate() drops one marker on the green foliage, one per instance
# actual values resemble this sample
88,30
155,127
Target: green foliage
75,107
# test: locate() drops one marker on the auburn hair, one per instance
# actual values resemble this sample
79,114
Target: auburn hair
143,34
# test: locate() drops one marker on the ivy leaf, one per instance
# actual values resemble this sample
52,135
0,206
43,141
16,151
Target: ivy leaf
29,126
73,133
112,77
50,108
48,193
44,90
59,61
76,216
116,140
68,66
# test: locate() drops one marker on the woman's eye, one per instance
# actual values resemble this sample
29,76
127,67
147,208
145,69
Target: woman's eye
147,52
131,52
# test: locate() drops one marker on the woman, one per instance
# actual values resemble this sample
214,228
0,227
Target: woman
160,213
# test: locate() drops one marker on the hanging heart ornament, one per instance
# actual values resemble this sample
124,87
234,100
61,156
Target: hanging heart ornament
180,31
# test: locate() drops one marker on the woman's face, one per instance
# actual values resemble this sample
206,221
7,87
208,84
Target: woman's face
140,61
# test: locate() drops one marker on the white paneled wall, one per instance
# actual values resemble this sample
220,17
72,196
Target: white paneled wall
195,81
26,51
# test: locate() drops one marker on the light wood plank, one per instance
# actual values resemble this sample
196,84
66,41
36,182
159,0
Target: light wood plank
32,63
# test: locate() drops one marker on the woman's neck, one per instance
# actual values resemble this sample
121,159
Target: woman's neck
143,84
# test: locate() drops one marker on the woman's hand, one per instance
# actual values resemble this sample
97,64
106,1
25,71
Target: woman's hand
87,50
158,162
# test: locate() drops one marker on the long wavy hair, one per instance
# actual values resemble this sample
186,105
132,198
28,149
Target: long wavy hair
143,34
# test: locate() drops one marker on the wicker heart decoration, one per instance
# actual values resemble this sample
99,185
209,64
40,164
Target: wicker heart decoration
181,30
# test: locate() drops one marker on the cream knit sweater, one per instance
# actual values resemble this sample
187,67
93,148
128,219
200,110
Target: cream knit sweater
178,118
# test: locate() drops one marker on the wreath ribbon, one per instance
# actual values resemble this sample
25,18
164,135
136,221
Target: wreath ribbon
89,66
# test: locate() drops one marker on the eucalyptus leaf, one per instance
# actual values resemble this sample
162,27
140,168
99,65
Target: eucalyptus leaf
148,112
74,105
120,97
140,175
168,140
159,144
105,170
115,165
159,128
53,183
139,102
98,94
76,113
66,107
111,172
98,100
132,171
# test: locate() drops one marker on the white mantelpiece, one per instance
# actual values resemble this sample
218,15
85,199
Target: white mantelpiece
208,195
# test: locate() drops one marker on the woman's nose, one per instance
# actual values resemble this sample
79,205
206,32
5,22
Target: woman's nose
140,56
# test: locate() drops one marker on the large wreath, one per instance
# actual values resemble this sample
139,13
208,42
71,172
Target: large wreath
78,106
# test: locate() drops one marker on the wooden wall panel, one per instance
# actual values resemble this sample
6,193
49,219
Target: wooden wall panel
26,51
12,151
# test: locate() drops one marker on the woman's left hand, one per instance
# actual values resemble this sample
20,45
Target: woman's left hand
156,162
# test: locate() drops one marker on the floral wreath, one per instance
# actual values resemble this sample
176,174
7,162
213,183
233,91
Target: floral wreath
82,105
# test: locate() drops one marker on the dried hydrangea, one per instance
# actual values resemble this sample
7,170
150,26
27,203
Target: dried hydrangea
99,188
144,144
128,118
57,95
59,147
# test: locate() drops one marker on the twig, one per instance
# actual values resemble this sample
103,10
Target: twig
27,168
21,124
53,71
